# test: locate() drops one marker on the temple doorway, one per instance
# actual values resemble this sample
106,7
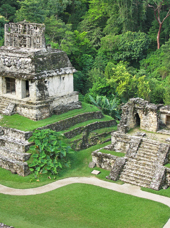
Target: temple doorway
137,120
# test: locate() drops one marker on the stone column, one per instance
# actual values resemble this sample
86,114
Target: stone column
2,85
32,90
20,86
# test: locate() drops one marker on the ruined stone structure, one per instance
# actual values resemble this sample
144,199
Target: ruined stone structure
34,80
143,164
144,160
138,112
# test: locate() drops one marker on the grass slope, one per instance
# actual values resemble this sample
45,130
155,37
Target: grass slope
24,124
82,206
118,154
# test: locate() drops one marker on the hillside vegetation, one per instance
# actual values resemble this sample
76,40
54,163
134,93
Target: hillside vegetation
119,48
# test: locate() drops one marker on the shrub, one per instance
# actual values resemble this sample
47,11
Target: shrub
49,152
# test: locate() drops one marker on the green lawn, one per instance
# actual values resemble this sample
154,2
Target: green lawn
22,123
82,206
77,205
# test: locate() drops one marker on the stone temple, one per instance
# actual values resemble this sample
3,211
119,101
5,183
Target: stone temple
35,81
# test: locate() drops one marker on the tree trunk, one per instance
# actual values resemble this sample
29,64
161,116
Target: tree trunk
158,36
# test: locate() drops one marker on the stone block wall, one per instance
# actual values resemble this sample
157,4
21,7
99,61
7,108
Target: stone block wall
138,112
13,150
102,160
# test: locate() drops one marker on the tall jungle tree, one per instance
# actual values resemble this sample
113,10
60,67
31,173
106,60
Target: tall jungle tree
157,7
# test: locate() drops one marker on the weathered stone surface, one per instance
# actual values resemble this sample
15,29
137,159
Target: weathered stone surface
138,112
167,140
159,178
88,128
9,110
2,225
69,122
65,108
13,147
163,153
133,146
167,176
117,169
21,168
92,165
142,134
102,160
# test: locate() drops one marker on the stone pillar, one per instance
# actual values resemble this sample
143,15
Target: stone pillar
2,85
18,88
32,90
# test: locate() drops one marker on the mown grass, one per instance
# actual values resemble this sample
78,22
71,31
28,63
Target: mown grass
24,124
82,206
83,124
118,154
77,205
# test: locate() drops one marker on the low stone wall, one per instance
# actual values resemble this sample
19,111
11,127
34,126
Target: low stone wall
102,160
69,122
121,142
90,127
88,140
14,133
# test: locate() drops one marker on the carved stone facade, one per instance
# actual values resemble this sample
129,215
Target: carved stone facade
24,35
138,112
34,78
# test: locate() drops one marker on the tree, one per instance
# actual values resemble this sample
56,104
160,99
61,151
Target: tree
129,46
157,6
8,8
31,11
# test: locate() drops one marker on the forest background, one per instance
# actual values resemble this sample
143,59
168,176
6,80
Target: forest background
120,48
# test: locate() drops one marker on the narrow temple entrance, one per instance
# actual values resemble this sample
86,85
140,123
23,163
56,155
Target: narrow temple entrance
168,121
27,89
137,120
10,85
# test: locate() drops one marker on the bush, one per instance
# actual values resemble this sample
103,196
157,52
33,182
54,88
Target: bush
49,152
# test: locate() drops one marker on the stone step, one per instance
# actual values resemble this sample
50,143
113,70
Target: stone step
150,142
10,154
146,147
14,145
133,175
147,152
141,162
138,169
21,168
137,174
146,158
136,179
138,183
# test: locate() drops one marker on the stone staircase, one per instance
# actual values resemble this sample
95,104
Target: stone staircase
6,107
140,169
2,106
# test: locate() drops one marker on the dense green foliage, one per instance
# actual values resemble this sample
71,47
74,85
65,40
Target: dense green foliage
50,152
111,43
